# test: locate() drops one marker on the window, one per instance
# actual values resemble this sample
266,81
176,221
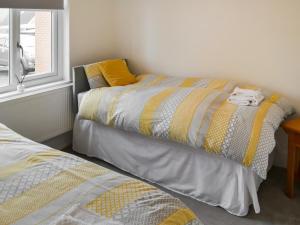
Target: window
28,47
4,47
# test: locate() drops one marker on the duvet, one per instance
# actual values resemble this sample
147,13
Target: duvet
39,185
192,111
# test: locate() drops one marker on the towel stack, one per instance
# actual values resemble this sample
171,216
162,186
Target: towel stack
246,97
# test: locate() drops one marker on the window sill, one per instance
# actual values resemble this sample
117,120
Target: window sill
31,91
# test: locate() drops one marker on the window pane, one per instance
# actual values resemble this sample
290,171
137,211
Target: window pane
36,41
4,47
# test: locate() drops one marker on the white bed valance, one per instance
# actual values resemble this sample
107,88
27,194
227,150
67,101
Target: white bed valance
32,4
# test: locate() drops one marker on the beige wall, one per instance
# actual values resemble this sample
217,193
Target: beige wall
256,41
91,35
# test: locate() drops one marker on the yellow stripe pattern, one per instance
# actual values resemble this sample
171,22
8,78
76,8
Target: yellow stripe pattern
114,200
112,107
257,128
217,84
30,161
146,118
90,104
181,216
189,82
218,127
184,114
92,70
117,98
46,192
157,81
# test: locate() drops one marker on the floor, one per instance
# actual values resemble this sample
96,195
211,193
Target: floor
276,208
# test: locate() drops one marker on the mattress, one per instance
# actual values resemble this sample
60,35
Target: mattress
40,185
208,178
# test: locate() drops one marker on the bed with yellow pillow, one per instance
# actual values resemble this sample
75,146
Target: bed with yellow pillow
181,133
40,185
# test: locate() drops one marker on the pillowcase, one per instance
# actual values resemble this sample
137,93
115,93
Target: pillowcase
94,76
116,72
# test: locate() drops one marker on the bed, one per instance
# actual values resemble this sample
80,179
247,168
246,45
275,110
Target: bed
40,185
217,180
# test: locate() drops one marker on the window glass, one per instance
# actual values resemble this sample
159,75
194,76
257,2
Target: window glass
4,47
35,42
29,51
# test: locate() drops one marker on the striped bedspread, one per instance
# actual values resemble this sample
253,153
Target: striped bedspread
192,111
39,185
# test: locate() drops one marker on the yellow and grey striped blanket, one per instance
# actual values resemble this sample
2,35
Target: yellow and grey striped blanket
39,185
192,111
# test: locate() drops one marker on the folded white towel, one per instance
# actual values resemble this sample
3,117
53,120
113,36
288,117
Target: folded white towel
246,97
245,102
246,92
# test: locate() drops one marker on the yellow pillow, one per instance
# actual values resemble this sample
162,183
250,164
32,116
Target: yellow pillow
116,72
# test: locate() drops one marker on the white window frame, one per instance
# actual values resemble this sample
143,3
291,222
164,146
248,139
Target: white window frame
14,54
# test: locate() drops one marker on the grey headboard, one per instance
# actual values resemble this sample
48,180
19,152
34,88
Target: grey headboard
80,84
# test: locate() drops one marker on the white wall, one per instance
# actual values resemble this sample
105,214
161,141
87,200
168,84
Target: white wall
40,116
91,32
256,41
